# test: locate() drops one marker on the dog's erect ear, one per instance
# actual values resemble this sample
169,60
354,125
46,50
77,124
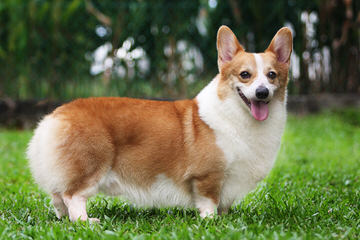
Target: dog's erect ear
281,45
227,45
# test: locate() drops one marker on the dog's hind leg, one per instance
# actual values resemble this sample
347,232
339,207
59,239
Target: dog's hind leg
76,205
59,205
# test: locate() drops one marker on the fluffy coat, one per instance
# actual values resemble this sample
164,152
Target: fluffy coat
205,152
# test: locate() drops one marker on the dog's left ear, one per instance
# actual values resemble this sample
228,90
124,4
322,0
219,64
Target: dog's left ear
281,45
227,45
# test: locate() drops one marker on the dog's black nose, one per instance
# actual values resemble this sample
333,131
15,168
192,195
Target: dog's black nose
262,92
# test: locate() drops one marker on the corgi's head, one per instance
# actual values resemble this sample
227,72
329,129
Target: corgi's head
255,78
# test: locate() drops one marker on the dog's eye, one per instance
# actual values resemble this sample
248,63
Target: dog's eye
271,75
245,75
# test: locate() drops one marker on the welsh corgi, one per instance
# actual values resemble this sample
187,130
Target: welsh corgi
204,152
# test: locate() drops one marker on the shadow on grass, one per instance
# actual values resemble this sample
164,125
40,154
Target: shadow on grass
119,211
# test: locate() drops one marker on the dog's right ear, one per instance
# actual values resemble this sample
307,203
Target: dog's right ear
227,45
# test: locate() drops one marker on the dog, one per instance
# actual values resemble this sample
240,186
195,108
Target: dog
204,152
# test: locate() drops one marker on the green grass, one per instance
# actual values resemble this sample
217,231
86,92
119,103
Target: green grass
312,192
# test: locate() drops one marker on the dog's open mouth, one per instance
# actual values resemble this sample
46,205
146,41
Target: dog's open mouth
259,109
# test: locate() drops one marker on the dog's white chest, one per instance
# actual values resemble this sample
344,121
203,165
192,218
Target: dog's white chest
249,146
249,159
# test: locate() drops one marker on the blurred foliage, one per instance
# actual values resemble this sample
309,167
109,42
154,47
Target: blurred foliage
47,46
349,115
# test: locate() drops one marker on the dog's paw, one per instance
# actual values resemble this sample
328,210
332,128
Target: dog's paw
94,220
207,213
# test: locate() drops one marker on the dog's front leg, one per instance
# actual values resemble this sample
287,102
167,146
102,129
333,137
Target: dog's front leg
206,192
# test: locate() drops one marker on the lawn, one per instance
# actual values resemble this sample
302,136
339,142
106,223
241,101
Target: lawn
312,192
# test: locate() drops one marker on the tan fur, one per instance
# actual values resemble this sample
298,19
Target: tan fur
135,138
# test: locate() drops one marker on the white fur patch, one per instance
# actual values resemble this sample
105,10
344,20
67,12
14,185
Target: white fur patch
250,146
261,78
163,192
43,156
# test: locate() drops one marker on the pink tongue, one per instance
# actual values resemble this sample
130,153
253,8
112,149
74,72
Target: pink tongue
259,110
